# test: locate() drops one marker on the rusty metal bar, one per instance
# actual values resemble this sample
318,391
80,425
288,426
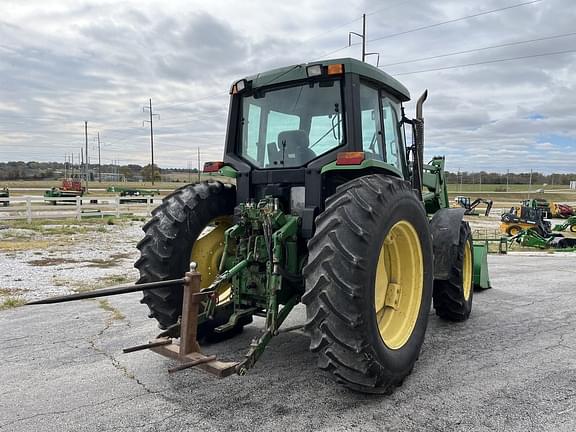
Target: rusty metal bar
190,304
147,346
192,363
120,289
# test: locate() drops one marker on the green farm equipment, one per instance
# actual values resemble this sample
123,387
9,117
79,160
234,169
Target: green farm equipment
133,192
330,208
568,224
70,188
5,196
531,238
54,193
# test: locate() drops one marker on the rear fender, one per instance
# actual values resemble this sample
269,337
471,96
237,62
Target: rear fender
445,230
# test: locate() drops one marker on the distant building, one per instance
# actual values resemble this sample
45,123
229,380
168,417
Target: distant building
573,184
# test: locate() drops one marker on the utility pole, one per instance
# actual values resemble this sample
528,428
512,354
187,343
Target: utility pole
149,108
363,37
199,164
86,166
507,179
530,184
99,161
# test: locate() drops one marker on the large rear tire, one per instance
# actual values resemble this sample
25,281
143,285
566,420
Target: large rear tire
453,297
369,283
168,247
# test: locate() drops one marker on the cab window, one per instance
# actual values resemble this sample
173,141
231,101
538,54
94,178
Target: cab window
391,133
371,127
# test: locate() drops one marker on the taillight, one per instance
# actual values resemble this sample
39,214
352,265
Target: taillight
349,158
210,167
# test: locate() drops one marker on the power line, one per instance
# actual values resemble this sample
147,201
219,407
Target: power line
486,62
363,18
429,26
426,27
482,49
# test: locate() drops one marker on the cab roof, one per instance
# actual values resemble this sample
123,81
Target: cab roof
298,72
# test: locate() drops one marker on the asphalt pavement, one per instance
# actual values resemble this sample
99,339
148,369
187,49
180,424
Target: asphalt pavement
511,367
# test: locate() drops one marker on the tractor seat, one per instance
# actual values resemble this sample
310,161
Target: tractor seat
294,144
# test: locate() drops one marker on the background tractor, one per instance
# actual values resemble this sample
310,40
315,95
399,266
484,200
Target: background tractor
331,207
524,218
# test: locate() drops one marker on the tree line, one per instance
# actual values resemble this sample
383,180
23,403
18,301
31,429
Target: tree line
19,170
483,177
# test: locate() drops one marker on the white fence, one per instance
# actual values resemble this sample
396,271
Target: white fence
37,207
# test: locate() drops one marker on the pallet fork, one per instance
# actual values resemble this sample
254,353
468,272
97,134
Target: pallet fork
188,352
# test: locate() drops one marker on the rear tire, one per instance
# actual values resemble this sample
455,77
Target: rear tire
167,246
343,292
453,297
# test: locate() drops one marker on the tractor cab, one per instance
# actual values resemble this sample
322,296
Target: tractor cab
298,132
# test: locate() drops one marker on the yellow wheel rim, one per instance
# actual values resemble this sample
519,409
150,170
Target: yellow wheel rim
398,285
467,271
207,252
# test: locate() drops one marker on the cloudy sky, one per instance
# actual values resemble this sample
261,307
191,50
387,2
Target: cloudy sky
63,62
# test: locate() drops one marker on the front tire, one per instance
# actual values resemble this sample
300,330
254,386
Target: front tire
369,283
453,297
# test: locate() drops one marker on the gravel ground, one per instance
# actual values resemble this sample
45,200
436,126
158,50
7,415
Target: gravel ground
511,367
60,259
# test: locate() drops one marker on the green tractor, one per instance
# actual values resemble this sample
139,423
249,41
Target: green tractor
331,208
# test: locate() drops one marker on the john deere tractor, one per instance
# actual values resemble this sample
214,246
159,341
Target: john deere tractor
332,208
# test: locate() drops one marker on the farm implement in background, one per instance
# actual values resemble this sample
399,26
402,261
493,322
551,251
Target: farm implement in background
133,192
470,206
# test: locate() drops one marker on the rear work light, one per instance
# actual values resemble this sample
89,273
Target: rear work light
239,86
314,70
349,158
210,167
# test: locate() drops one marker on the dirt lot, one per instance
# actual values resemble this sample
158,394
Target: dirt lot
511,367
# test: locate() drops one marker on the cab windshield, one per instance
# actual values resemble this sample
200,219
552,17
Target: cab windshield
288,127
